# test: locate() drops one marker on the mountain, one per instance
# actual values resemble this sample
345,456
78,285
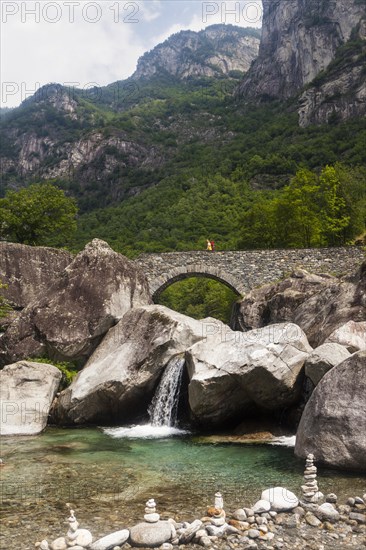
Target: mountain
106,143
301,39
218,50
171,156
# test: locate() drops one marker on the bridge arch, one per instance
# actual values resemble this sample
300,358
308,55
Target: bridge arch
242,270
163,281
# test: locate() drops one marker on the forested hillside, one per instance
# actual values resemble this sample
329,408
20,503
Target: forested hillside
163,161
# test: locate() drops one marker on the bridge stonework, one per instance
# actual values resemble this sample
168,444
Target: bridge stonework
243,270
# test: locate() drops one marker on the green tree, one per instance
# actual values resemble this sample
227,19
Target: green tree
298,211
335,218
40,214
353,190
200,297
259,226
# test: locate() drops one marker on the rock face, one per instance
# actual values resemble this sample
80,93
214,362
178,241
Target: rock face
351,334
29,271
94,291
333,426
324,358
236,372
119,379
214,51
299,40
318,304
26,393
339,93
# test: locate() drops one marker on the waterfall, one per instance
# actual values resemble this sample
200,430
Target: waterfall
164,406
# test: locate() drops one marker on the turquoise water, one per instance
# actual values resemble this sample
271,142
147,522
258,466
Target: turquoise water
107,480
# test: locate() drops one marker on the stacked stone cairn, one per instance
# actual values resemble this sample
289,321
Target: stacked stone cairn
78,539
151,515
310,490
217,512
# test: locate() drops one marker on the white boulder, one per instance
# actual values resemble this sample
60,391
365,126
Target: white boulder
280,499
27,390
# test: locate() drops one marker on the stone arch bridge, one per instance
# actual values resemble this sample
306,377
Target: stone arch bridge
243,270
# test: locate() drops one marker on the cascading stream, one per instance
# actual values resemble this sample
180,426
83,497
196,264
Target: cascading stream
163,410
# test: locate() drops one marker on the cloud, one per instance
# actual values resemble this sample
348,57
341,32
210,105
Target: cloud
199,15
152,10
96,42
72,49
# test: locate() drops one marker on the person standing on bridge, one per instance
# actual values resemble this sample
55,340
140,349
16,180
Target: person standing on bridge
209,247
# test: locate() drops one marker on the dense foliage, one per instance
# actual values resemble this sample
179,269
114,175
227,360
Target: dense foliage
326,209
199,298
40,214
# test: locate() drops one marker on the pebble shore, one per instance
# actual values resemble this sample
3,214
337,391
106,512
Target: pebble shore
279,520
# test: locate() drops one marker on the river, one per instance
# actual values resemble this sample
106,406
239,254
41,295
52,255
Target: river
108,479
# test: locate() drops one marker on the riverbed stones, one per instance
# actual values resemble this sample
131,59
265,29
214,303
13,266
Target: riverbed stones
327,512
110,541
190,531
150,535
240,514
125,369
71,316
324,358
231,365
280,499
360,518
59,544
261,506
312,520
253,533
27,390
333,423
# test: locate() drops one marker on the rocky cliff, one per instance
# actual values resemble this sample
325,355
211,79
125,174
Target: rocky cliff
300,39
215,51
338,93
80,304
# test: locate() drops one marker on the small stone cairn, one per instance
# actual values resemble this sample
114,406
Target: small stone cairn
310,490
76,538
151,515
217,513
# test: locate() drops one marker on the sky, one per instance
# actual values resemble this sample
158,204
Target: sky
86,43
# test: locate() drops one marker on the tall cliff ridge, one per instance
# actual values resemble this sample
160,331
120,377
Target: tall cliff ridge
300,39
338,93
215,51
